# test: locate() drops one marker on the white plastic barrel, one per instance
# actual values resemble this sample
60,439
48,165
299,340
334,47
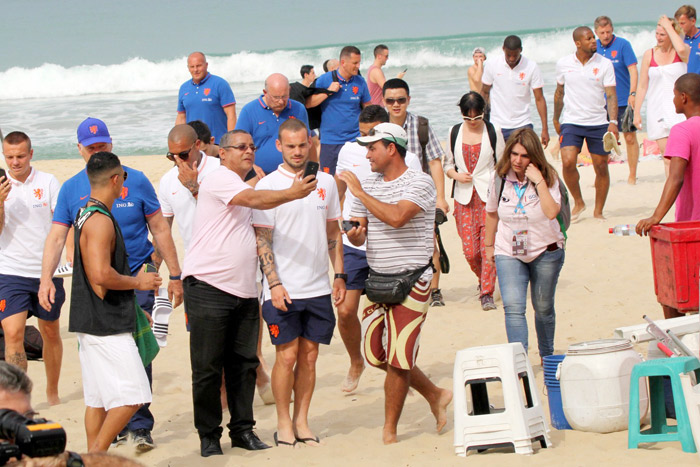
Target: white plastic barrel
595,382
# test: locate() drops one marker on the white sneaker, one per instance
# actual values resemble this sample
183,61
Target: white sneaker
65,270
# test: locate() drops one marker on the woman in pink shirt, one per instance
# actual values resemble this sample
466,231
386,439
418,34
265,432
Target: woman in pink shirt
523,237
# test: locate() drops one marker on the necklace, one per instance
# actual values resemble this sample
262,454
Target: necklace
99,203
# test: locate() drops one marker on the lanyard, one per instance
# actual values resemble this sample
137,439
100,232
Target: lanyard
520,191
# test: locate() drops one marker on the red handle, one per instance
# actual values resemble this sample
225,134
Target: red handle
666,350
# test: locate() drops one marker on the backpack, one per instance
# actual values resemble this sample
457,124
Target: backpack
33,343
564,216
453,141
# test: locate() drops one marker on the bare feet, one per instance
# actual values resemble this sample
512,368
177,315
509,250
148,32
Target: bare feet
389,436
632,181
599,216
352,380
439,409
53,399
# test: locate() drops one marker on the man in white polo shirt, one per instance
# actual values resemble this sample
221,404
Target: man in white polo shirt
507,82
294,243
179,187
353,158
584,80
27,200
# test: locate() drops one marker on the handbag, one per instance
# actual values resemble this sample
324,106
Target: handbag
392,289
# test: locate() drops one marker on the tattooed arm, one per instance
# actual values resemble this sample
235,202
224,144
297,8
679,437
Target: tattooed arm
335,252
279,294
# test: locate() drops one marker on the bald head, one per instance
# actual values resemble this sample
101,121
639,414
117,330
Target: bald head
689,84
197,55
276,92
182,134
580,32
277,81
198,66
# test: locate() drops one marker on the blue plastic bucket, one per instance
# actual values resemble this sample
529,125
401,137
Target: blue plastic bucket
556,411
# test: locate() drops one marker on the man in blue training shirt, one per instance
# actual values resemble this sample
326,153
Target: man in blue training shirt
262,119
206,97
340,107
619,52
686,17
136,210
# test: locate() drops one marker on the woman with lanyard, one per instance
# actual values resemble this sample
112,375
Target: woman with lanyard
469,161
524,238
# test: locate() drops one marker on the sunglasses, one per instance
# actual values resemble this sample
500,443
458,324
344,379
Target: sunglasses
386,136
400,100
242,147
473,119
125,175
184,155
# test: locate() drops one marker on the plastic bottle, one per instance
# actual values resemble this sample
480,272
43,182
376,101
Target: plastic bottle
623,230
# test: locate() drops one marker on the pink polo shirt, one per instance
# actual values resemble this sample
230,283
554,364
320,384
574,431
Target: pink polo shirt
541,230
684,142
222,250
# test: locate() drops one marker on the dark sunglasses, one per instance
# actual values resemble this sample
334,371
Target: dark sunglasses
126,174
400,100
184,155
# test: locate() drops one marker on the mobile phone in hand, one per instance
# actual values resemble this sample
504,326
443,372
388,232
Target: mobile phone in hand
310,169
148,267
3,173
348,225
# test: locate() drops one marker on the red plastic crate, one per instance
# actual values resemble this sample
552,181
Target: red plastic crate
675,255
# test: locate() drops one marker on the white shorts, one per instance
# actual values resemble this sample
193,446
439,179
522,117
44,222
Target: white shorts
113,374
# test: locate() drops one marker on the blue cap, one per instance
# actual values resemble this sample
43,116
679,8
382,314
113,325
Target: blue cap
93,130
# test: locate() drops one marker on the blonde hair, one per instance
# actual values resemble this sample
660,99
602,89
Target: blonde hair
676,27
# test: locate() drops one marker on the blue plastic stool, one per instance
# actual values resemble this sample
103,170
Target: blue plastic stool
660,430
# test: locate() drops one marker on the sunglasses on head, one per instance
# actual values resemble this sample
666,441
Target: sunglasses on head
400,100
184,155
473,119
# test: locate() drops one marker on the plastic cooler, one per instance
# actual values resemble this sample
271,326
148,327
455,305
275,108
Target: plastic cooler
675,255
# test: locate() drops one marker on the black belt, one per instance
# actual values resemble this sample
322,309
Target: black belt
552,247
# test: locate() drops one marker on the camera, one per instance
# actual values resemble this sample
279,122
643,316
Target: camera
31,437
440,216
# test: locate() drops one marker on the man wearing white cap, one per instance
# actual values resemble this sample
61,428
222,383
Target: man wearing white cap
476,71
395,208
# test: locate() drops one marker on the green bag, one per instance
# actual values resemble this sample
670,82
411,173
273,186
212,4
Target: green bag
144,337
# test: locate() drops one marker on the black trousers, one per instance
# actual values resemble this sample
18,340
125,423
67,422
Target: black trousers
223,336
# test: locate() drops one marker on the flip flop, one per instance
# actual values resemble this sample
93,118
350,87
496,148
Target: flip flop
283,443
304,440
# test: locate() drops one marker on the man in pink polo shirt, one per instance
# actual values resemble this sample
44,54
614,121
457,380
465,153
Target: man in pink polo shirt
683,149
221,293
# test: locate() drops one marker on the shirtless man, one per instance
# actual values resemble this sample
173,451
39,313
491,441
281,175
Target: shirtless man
476,71
102,309
375,75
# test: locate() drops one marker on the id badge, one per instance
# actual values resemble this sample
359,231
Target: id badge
519,241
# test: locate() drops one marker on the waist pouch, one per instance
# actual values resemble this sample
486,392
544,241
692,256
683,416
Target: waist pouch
391,289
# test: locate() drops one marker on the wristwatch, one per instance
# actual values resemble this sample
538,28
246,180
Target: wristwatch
613,121
175,278
633,93
341,275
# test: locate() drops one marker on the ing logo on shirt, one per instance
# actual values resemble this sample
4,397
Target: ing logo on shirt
207,91
521,76
124,193
38,193
2,305
355,89
595,71
274,329
613,54
321,192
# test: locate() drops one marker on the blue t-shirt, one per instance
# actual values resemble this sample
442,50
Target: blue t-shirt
261,122
340,112
206,104
619,52
137,201
694,57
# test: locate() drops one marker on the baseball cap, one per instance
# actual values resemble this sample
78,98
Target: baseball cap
479,49
93,130
390,132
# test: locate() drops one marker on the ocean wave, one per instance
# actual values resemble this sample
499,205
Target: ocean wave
141,75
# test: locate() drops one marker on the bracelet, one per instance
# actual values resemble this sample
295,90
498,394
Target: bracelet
176,278
541,180
274,285
488,246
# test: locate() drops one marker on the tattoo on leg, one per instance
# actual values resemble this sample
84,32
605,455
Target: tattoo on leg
332,244
18,359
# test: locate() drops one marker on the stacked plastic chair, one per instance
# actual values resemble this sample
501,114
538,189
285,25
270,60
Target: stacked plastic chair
480,426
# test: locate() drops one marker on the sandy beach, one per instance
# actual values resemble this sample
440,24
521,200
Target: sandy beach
606,282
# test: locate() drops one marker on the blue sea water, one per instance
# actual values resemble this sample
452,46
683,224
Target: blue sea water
130,75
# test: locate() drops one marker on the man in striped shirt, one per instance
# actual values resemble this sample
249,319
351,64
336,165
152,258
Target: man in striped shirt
395,208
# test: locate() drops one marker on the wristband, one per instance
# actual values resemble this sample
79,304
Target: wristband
341,275
176,278
274,285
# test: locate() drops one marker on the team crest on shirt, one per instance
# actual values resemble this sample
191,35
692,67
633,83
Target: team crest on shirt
274,329
2,305
355,89
521,76
207,91
321,192
93,129
595,71
38,193
124,193
613,53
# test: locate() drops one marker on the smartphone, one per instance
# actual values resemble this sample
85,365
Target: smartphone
148,267
310,169
348,225
3,173
405,70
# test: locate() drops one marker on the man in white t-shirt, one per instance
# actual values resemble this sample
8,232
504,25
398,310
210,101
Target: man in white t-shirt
507,82
395,208
353,157
27,200
179,187
585,79
294,243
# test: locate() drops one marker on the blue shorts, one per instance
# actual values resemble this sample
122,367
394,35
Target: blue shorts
506,132
310,318
18,294
329,157
356,267
573,135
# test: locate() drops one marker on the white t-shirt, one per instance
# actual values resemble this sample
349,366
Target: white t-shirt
353,157
28,213
176,200
584,89
394,250
510,92
299,239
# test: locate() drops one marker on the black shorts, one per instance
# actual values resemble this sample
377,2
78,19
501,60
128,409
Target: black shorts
310,318
18,294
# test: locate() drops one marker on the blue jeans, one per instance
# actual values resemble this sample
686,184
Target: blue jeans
542,274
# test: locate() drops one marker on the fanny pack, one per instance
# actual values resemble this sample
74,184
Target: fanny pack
391,289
